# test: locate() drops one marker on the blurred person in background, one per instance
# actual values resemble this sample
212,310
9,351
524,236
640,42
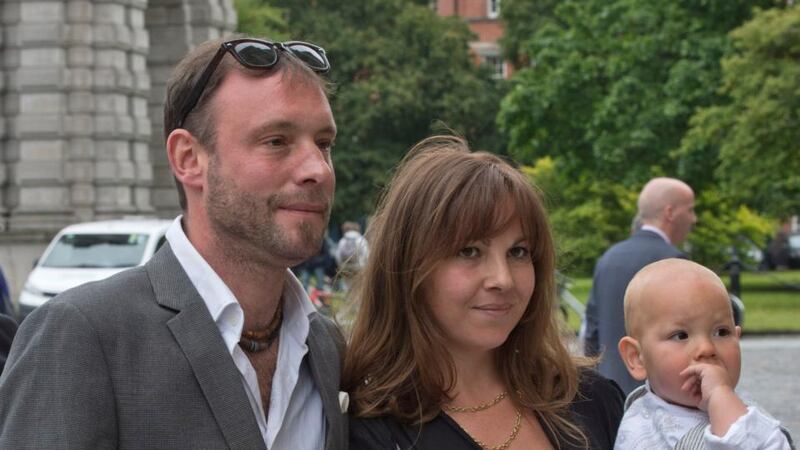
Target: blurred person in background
666,214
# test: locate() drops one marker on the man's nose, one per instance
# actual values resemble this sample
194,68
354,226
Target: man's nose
315,165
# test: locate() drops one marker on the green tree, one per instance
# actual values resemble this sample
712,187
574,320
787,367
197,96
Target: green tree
522,18
725,226
608,94
585,213
258,18
400,72
613,83
753,136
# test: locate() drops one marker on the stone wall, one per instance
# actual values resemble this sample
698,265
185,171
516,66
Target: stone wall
81,100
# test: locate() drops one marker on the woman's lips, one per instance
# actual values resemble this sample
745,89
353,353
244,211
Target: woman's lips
496,309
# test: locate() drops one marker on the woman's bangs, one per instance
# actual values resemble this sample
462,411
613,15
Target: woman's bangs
481,210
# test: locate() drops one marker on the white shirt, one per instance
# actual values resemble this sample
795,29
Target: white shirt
296,418
651,423
657,231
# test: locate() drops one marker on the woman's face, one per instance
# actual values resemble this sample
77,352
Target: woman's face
478,295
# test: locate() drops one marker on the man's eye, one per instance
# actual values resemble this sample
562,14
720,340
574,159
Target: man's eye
275,142
519,252
469,252
679,336
325,146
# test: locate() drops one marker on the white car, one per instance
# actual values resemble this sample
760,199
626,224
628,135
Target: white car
88,252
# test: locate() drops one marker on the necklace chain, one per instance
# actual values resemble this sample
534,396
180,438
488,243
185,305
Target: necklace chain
507,443
477,408
254,341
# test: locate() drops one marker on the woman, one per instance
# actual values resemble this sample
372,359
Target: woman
456,345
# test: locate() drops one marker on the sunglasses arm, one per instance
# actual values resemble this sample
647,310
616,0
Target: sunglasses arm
199,86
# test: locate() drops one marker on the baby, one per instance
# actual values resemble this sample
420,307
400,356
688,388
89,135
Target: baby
682,340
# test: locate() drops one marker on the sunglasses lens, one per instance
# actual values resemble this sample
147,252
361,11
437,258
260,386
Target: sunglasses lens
255,54
313,57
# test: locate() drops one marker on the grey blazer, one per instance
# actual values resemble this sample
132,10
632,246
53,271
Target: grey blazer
136,362
605,318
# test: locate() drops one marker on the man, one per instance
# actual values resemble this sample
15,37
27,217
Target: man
7,330
213,343
666,214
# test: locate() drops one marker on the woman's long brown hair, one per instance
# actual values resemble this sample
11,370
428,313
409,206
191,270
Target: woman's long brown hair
442,197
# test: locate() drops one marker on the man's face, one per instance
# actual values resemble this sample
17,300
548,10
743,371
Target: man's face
683,216
270,179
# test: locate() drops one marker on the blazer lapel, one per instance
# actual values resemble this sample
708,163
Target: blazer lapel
199,339
325,364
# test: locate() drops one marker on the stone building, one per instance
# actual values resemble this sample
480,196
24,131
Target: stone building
81,99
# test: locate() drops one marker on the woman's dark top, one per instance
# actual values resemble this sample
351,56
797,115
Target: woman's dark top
597,409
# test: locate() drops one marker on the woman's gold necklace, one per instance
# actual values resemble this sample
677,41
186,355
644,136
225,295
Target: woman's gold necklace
483,407
480,407
507,443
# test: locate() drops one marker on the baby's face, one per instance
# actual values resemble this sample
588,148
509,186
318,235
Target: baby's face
686,321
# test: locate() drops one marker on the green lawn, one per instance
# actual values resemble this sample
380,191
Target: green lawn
771,299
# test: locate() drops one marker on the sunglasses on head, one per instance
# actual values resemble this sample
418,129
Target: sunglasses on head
256,54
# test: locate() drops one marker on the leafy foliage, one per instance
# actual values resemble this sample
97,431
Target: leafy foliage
258,18
400,73
585,213
613,84
754,135
725,227
607,98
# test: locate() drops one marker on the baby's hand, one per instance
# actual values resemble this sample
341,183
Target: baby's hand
711,385
705,380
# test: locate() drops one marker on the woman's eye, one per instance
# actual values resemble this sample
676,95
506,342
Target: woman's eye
679,336
519,252
469,252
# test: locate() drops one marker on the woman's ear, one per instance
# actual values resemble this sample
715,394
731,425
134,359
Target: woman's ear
187,159
631,353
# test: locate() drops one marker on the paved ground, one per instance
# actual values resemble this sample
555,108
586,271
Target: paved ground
771,376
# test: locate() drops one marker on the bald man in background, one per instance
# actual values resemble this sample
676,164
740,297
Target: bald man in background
666,212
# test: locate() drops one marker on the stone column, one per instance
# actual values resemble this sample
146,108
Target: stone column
77,129
175,27
3,175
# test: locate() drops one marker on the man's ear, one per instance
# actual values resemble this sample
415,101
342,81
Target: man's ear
669,213
187,158
631,353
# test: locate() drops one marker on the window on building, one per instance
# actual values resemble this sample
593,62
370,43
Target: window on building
496,63
492,8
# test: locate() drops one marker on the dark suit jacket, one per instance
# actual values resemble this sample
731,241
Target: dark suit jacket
605,318
136,361
7,330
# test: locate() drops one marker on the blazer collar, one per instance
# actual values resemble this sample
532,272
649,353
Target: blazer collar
197,335
325,364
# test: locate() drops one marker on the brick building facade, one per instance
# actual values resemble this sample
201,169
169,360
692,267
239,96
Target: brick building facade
483,18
